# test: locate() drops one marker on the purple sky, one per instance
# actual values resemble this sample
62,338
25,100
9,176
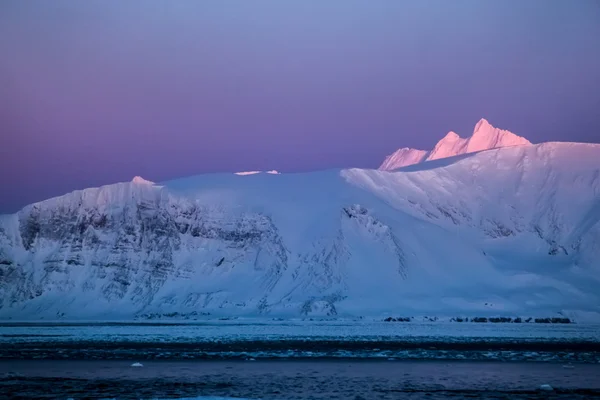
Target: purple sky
95,92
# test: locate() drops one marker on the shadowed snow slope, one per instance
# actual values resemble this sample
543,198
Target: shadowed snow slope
510,231
485,137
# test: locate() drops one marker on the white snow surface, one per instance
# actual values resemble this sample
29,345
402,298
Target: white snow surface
244,173
484,137
403,157
509,231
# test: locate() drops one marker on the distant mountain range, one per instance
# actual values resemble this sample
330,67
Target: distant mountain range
484,137
510,231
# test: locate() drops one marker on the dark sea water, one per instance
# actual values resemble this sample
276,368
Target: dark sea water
325,360
297,379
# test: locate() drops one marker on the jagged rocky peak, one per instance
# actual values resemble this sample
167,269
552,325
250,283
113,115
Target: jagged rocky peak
482,125
485,136
449,146
450,137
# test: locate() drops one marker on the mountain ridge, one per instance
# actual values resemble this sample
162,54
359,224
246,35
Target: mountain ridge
484,137
507,231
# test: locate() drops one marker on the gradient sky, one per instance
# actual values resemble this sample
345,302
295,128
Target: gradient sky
94,92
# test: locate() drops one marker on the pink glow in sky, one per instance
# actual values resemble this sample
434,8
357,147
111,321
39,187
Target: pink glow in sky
94,92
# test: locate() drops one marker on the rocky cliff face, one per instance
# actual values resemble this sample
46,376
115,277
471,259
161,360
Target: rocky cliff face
125,244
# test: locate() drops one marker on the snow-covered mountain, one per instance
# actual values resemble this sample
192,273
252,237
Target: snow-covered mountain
484,137
509,231
403,157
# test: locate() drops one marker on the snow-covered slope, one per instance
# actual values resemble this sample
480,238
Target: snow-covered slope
403,157
509,231
484,137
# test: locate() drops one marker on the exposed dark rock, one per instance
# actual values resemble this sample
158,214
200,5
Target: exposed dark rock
354,211
500,319
174,315
555,320
447,214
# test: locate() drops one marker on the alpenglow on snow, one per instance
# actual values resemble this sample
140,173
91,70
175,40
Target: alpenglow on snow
508,231
484,137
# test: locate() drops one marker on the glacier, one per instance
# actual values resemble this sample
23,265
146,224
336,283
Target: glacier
507,231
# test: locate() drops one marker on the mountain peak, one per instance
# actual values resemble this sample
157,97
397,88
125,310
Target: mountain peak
485,136
449,146
482,125
403,157
451,136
